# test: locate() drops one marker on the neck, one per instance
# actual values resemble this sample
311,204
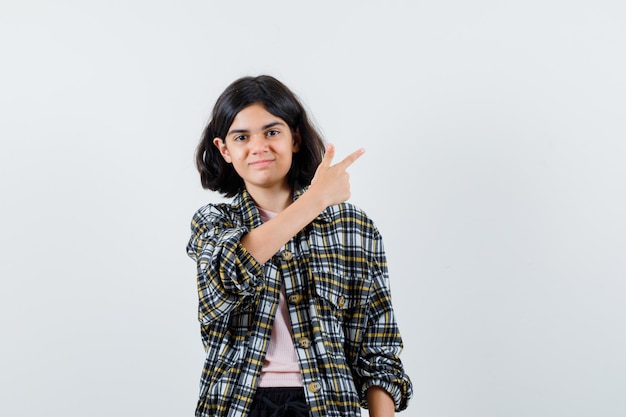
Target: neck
275,200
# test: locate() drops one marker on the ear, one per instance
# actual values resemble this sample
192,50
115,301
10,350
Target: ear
221,145
297,140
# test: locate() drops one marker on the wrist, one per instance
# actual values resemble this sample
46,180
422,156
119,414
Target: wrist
314,198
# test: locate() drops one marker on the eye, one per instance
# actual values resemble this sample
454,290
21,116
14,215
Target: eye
272,132
239,138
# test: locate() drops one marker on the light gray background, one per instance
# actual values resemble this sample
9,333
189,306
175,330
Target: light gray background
495,137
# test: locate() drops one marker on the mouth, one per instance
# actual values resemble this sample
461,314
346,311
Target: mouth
261,164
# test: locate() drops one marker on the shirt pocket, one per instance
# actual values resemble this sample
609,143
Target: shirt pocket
342,293
342,303
227,343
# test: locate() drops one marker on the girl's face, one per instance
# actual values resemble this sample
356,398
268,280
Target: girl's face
260,146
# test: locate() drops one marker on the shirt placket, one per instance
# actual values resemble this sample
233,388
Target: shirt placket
292,257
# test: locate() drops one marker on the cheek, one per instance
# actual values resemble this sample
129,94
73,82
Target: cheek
234,153
239,158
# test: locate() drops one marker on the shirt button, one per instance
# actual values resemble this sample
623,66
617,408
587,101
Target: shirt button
341,301
304,342
287,255
295,298
315,386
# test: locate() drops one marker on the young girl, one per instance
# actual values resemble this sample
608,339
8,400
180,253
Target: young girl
295,309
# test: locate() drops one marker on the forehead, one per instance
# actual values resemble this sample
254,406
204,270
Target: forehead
254,116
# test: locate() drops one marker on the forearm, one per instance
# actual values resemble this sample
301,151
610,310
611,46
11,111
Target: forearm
379,402
264,241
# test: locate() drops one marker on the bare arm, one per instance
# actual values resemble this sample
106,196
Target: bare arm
379,402
329,186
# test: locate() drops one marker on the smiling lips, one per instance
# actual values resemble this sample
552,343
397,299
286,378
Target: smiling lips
262,163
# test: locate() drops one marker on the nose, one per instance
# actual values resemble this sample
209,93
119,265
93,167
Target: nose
258,144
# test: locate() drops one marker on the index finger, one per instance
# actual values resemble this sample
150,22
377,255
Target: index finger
349,160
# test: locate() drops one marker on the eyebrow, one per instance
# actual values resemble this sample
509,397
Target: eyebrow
267,126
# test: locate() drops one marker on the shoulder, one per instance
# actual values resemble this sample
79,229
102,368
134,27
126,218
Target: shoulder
240,212
216,213
350,212
350,218
213,209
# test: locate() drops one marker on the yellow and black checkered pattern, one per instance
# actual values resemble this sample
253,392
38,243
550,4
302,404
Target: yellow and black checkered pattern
336,282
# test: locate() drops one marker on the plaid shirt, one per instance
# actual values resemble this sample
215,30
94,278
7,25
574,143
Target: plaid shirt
336,282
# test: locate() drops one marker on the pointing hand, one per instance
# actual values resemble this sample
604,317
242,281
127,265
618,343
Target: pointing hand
332,182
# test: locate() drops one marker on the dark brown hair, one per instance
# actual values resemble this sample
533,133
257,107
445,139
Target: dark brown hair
218,175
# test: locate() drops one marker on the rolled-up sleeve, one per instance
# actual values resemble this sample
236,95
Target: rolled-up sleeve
379,361
227,274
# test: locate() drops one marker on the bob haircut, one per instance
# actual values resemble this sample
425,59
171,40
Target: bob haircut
218,175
